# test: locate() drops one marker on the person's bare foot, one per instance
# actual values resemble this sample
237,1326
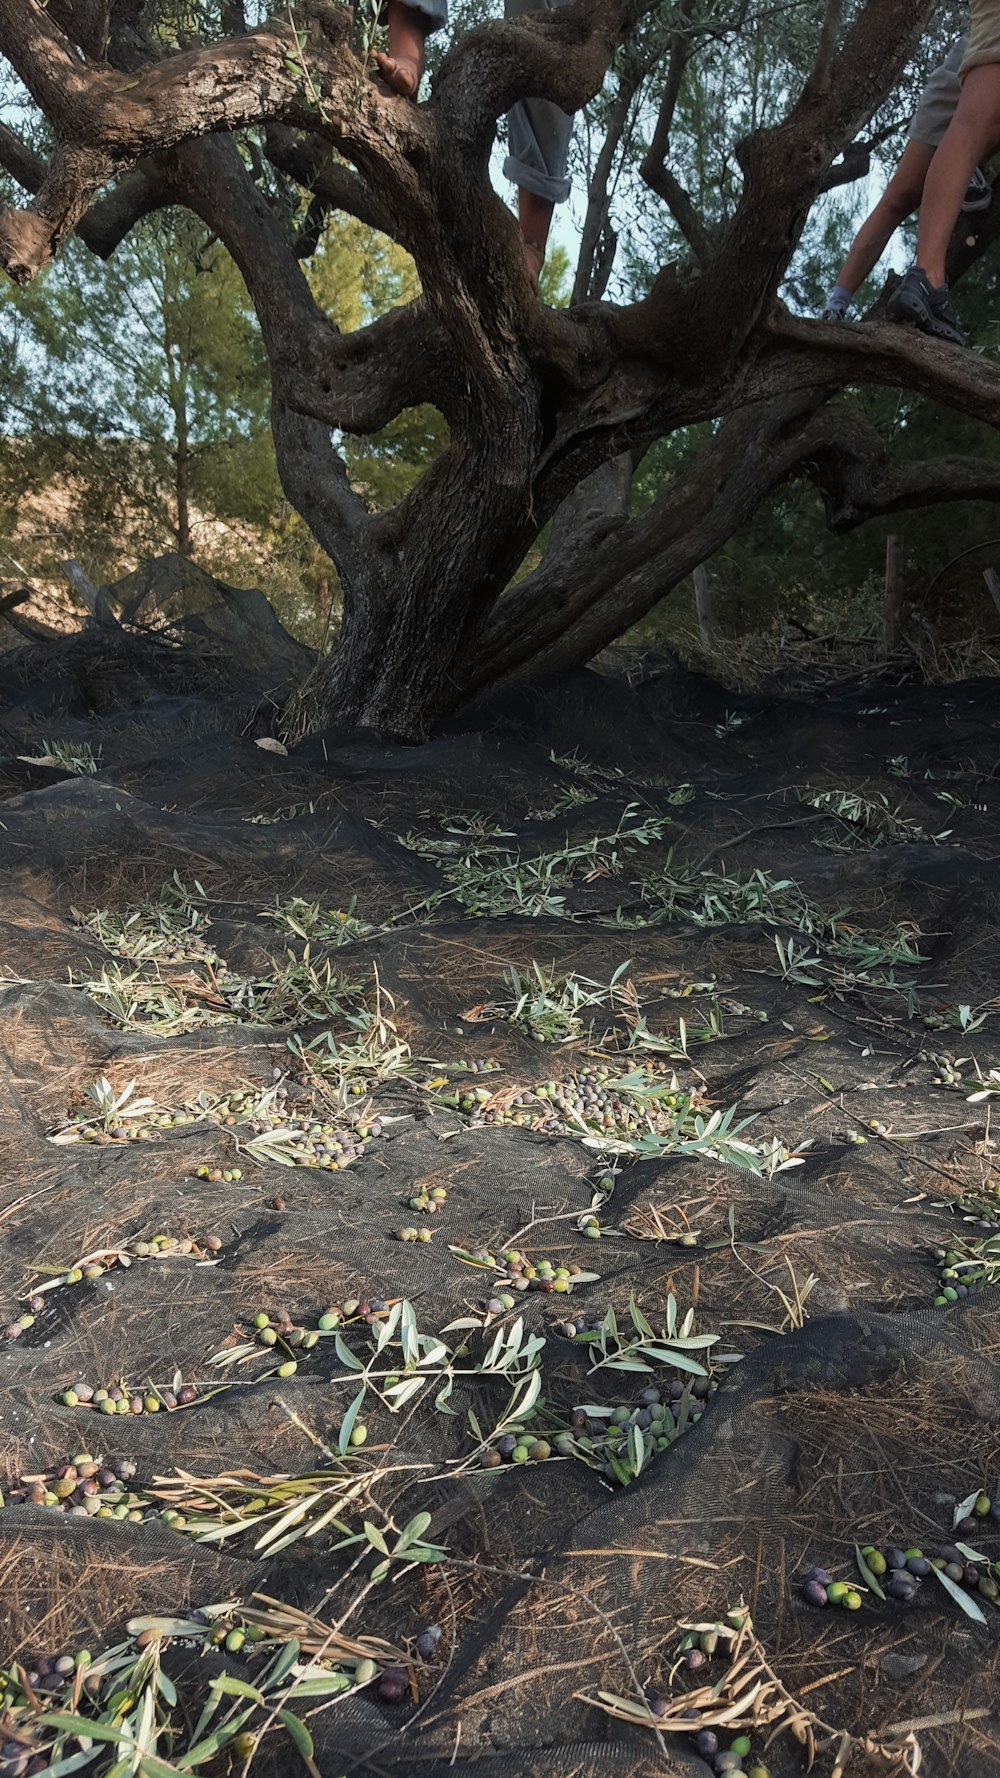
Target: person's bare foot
400,73
534,260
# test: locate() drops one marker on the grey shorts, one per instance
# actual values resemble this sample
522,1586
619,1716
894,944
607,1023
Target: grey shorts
937,103
538,133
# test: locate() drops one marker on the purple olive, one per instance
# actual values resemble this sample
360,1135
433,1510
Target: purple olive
895,1559
902,1588
392,1685
819,1574
919,1566
427,1642
814,1592
707,1743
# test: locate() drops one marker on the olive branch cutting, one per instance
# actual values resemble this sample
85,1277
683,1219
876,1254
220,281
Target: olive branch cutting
751,1695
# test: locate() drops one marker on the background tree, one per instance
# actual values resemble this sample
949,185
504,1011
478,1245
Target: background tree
158,348
263,128
136,401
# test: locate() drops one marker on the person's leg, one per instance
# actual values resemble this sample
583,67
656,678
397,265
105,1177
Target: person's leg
535,216
402,66
538,139
922,299
971,135
899,200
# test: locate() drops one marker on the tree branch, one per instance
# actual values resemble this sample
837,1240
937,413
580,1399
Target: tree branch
783,166
596,219
856,159
653,169
586,594
854,472
104,123
309,160
105,225
603,571
833,355
356,382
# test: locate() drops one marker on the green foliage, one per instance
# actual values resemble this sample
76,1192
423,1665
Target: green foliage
357,275
128,374
137,417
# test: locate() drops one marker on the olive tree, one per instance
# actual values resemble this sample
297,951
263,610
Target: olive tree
262,126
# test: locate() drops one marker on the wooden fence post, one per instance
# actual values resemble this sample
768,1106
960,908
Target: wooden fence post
892,598
703,607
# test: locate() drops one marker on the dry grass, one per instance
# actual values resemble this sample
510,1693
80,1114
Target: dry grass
65,1593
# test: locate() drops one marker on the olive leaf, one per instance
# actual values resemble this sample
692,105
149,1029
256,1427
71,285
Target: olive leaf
347,1424
871,1581
964,1507
960,1597
298,1732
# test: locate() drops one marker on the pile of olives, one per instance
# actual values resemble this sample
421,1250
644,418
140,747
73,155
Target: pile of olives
601,1440
478,1066
278,1329
697,1649
118,1398
88,1487
519,1448
429,1199
901,1572
88,1271
305,1141
965,1267
53,1679
519,1272
587,1100
729,1759
82,1127
820,1588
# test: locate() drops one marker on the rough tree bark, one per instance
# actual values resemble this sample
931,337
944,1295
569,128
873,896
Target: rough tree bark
548,412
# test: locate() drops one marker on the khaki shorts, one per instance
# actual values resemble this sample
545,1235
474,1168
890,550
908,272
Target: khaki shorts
939,99
538,133
984,35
